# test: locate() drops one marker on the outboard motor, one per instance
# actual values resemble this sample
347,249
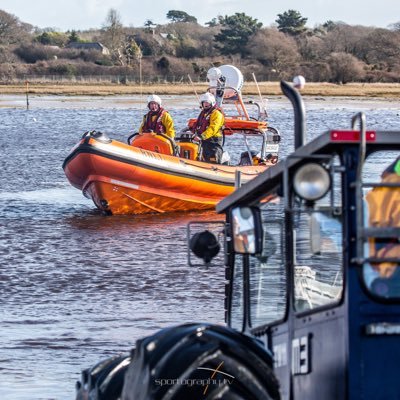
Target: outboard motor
245,157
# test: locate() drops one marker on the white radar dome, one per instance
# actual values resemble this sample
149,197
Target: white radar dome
233,78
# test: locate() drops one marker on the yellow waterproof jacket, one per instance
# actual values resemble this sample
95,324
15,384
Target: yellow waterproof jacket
384,211
216,122
166,122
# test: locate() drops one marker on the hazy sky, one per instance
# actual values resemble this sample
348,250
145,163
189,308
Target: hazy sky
85,14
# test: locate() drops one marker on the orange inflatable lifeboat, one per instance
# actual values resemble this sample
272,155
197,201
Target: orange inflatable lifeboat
155,174
125,179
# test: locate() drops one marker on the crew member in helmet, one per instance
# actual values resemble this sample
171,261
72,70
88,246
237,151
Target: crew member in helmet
208,128
157,120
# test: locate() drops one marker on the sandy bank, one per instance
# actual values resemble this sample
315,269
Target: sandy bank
267,89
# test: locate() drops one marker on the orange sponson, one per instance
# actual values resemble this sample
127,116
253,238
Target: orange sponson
122,179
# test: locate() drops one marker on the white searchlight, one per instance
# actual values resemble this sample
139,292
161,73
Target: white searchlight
311,181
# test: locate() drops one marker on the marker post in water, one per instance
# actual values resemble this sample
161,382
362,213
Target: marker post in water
27,94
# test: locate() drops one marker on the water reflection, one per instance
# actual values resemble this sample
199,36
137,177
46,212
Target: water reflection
76,286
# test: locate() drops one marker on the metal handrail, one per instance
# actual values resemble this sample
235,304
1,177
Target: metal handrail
360,117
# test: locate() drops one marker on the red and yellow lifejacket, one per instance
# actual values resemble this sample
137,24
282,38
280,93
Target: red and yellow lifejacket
203,120
152,121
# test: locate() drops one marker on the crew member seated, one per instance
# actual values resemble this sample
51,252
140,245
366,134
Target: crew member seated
157,120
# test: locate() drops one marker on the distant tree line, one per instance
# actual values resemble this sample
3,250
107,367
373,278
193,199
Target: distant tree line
332,52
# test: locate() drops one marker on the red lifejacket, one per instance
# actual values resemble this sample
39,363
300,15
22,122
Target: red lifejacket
152,124
203,120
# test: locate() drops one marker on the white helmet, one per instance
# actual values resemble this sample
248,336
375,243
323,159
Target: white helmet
208,97
155,98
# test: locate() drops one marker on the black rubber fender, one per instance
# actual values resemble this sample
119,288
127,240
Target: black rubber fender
200,361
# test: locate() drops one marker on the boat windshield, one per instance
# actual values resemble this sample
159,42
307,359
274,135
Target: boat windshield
381,195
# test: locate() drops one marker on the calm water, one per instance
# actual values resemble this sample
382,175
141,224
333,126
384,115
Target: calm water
76,286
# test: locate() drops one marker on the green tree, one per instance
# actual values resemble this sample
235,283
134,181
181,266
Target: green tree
214,22
395,26
149,26
235,33
52,38
73,37
180,16
44,38
163,64
132,51
149,23
329,25
291,22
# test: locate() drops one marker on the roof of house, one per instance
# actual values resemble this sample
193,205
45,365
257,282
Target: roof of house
86,45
